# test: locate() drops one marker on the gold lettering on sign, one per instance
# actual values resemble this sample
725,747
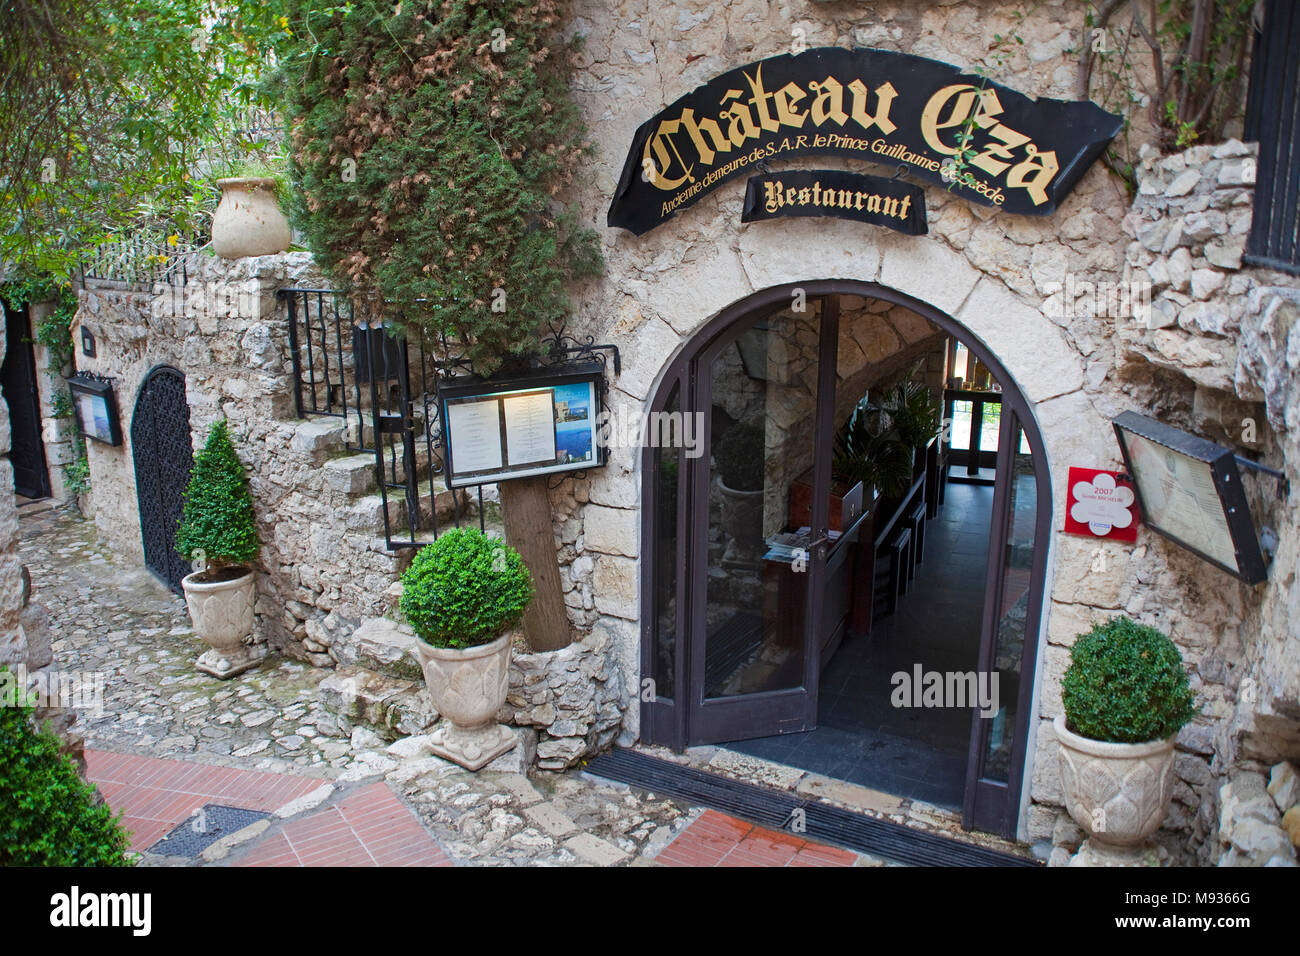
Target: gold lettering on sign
954,116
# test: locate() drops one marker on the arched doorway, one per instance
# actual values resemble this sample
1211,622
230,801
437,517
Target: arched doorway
163,455
759,572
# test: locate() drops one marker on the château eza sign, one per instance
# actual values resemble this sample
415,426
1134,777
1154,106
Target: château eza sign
833,192
884,107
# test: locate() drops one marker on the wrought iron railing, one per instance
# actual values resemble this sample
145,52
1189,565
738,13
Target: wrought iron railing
1273,118
141,261
384,388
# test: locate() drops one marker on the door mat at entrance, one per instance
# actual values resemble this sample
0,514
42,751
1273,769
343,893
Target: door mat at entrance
828,824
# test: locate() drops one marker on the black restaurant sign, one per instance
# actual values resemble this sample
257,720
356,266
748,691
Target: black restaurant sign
833,192
884,107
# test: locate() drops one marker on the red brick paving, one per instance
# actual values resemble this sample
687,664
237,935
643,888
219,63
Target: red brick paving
715,839
369,828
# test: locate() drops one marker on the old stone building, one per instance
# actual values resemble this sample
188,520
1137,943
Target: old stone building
770,323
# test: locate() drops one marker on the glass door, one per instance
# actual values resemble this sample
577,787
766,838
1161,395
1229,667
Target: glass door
767,392
1011,615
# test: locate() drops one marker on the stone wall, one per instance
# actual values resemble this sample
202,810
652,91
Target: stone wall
1006,279
324,561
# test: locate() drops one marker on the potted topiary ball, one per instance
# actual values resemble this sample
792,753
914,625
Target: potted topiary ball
462,595
218,533
1125,696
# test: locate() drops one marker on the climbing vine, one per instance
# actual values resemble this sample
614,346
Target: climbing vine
429,143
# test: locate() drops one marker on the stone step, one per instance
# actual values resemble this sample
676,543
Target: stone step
391,707
319,438
383,646
351,474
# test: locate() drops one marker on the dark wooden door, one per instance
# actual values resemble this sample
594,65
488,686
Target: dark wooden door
31,474
160,446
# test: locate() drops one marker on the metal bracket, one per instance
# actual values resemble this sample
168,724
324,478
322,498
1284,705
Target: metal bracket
1283,483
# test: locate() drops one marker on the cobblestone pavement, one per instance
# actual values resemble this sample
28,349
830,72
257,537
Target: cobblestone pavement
108,617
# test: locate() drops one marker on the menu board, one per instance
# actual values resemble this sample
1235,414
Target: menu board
517,430
1190,490
1179,497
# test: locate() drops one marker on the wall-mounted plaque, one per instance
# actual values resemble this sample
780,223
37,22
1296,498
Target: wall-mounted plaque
1101,504
535,425
877,105
833,192
1190,490
95,405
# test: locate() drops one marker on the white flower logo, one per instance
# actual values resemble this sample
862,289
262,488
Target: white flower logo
1102,505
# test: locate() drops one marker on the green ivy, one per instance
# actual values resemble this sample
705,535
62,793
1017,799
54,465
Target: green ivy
1126,684
465,589
48,814
429,141
218,515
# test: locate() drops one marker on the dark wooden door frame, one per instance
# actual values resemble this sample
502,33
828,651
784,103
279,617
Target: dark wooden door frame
665,720
27,441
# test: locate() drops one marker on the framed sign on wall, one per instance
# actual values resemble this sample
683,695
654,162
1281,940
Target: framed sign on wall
95,405
538,424
1190,491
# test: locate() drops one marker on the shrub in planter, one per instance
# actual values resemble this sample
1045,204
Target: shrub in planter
1125,697
48,814
218,529
462,594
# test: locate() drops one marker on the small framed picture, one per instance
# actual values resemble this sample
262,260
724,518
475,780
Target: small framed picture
95,404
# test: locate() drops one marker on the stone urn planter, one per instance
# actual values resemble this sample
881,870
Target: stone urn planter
222,613
1117,793
1125,696
463,595
742,519
248,220
467,687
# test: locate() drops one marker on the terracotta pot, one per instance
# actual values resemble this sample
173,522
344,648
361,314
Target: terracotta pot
248,220
1118,793
222,614
467,687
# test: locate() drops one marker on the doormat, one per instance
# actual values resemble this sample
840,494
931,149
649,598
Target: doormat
205,827
822,822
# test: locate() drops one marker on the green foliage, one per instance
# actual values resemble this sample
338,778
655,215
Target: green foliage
55,330
913,410
110,108
429,141
1126,684
76,473
48,815
868,449
218,517
739,457
465,589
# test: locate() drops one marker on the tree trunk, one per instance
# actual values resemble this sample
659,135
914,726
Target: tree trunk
526,511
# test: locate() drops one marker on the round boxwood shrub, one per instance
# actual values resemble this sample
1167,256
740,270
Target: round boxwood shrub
465,589
48,814
218,519
1126,684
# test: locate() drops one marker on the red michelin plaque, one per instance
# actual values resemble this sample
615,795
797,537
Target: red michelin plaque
1101,504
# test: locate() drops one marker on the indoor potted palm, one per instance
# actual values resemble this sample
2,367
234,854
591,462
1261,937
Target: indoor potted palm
1125,696
868,449
915,415
218,532
463,594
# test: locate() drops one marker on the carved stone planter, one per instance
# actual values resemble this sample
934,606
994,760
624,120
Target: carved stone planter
248,220
222,613
1118,793
467,687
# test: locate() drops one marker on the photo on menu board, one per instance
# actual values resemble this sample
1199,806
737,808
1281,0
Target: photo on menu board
574,435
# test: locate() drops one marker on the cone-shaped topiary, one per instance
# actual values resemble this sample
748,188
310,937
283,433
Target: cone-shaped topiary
218,523
465,589
1126,684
